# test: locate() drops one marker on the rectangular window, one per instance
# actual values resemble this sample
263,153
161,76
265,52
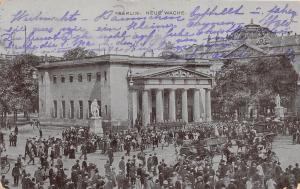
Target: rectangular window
105,109
89,77
98,76
63,79
105,76
54,79
72,109
80,109
90,103
63,106
79,78
99,103
71,78
55,108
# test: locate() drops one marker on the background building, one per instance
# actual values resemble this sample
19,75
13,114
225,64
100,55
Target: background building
251,41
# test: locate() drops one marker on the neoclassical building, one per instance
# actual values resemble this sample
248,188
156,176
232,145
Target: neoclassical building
128,89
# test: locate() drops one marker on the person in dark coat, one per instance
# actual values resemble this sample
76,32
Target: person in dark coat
16,130
110,154
72,152
122,164
41,133
16,174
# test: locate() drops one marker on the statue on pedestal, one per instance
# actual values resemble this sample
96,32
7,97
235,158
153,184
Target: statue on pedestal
279,110
236,115
277,101
95,123
95,108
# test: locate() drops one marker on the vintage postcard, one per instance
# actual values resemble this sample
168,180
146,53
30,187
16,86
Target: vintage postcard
149,94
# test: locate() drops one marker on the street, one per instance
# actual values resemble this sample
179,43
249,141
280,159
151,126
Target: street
287,152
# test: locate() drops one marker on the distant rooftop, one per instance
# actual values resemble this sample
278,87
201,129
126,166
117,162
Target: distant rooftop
251,31
122,59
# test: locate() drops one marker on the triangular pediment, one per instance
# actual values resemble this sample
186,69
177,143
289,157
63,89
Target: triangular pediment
245,51
173,72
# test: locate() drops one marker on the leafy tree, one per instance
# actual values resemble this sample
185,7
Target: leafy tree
78,53
19,90
256,82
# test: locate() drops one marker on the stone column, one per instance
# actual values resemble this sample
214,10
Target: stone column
202,104
134,105
150,104
196,106
208,104
159,106
172,105
184,104
48,100
145,108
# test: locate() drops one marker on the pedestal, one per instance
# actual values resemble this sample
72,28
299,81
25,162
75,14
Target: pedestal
279,112
95,124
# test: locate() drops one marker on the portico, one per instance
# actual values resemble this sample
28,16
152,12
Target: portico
170,94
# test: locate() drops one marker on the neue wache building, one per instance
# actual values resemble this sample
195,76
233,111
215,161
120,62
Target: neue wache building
129,90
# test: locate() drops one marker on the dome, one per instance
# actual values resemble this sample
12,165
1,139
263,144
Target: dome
251,31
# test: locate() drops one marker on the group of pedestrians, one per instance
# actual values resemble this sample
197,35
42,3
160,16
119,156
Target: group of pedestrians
141,167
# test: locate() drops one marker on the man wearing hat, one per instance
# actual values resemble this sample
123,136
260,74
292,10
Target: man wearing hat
38,175
110,154
296,172
149,162
16,174
122,164
155,160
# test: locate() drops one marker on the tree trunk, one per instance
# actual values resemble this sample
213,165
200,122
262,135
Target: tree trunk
15,116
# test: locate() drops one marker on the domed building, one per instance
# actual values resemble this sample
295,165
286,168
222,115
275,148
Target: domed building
251,31
249,42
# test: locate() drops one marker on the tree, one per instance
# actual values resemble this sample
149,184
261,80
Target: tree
255,82
19,90
78,53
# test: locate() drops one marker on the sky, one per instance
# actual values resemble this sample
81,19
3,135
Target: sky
93,26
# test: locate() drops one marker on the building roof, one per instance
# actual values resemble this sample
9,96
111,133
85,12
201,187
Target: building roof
122,59
255,48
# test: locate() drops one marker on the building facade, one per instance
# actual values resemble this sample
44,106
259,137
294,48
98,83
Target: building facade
128,90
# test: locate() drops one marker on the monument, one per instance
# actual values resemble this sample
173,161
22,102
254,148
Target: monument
95,122
279,110
236,115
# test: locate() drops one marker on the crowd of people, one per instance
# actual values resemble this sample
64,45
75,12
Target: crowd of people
244,160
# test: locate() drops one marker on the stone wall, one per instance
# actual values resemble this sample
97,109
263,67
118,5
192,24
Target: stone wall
76,91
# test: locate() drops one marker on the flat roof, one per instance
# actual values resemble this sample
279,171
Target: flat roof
123,59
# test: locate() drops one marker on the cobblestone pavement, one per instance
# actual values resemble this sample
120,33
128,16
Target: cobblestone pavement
287,152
